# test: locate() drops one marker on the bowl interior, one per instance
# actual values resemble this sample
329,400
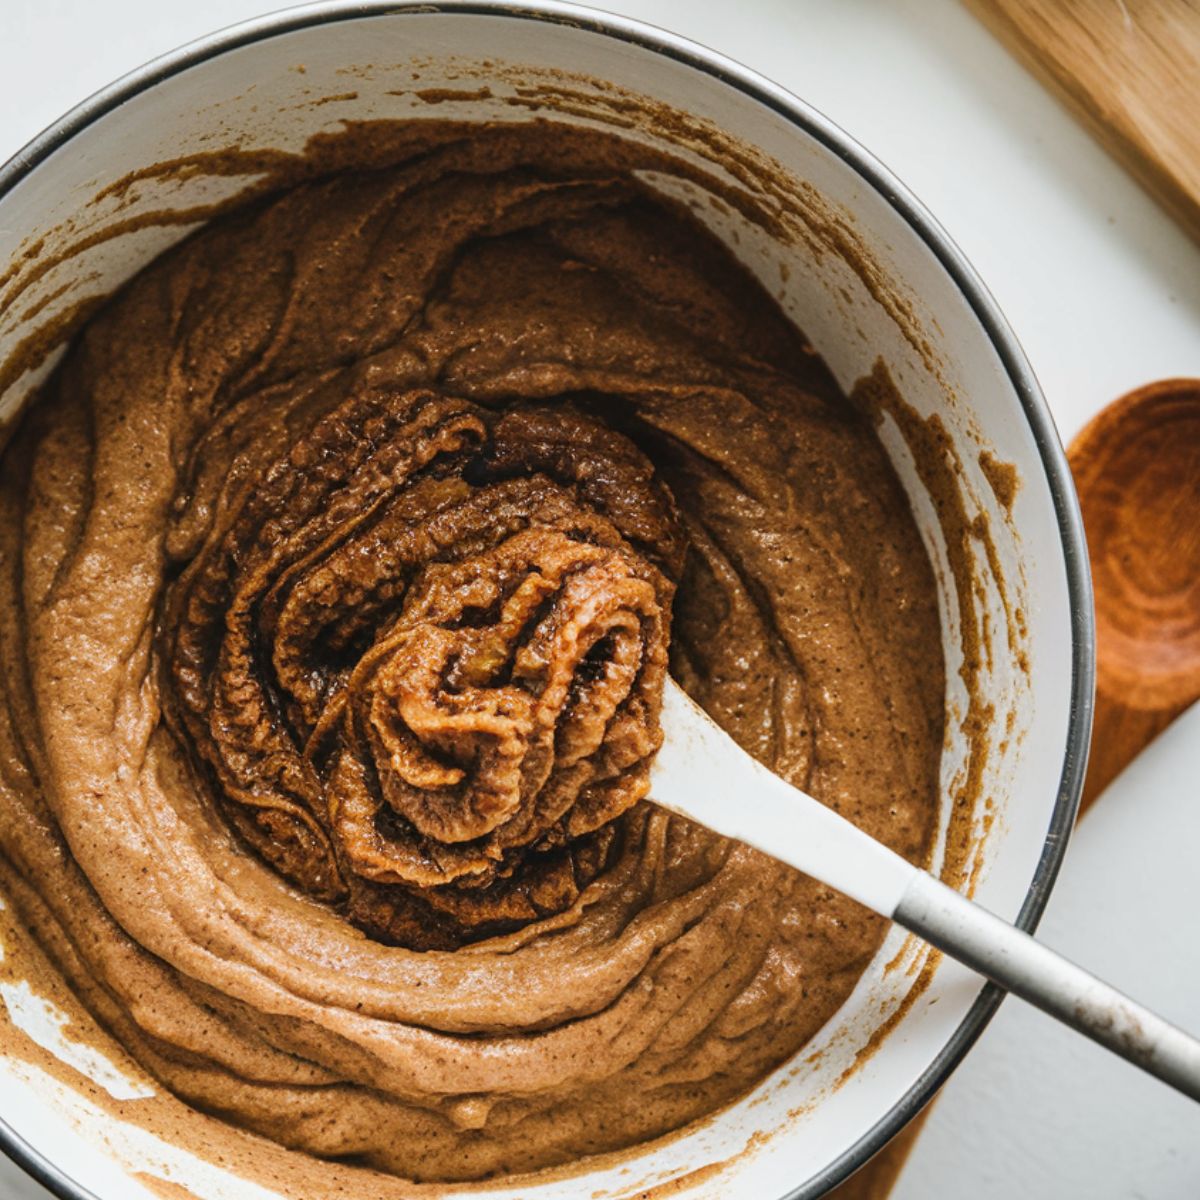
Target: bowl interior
865,284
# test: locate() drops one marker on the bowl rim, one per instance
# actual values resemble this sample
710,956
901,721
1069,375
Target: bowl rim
1033,404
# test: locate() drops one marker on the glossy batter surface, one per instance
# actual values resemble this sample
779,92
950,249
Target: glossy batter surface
341,560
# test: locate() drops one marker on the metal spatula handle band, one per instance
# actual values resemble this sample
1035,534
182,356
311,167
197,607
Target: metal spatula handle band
1030,970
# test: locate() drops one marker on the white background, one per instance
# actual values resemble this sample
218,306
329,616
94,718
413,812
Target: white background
1104,293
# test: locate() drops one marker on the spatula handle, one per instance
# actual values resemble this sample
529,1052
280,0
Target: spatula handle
1028,969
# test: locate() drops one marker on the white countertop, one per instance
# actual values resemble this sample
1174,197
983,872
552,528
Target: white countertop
1104,294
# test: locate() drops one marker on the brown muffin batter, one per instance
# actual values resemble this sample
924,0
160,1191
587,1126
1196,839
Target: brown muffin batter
341,558
426,700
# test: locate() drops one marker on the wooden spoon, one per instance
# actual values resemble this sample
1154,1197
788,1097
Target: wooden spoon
1137,472
701,773
1158,511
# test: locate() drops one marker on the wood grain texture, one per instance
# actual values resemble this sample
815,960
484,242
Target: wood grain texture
1131,70
875,1180
1137,472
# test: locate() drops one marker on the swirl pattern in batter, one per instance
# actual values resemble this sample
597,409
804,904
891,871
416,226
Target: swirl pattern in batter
342,560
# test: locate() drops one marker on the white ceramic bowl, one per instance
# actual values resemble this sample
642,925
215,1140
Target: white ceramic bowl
905,294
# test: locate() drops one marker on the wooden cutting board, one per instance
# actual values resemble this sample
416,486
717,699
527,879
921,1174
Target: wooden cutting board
1131,70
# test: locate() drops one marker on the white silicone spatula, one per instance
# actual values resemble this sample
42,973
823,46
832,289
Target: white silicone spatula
701,773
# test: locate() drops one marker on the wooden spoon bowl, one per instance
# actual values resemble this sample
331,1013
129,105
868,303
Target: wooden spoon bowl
1137,471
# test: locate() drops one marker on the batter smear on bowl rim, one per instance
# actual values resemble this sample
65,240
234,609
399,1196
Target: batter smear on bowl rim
345,556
